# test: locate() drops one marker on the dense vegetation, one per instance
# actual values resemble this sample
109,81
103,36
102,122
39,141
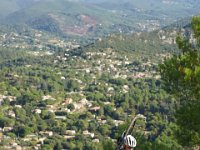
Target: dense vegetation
37,89
181,78
57,93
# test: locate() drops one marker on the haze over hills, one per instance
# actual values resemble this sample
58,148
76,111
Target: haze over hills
95,18
71,78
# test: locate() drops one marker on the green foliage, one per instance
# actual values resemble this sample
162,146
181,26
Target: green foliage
46,147
54,143
6,122
71,85
181,77
22,131
108,145
71,107
43,84
188,120
196,28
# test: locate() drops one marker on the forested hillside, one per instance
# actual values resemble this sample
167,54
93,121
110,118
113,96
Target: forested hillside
94,18
73,74
82,98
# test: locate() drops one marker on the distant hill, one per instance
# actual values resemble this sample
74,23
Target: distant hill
95,18
153,46
8,7
142,45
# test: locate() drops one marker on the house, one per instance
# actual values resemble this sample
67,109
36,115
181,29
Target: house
70,132
18,106
46,133
26,139
62,78
31,136
69,137
87,133
49,106
101,121
126,87
118,122
140,75
8,147
110,89
10,98
51,111
66,109
82,103
14,144
146,133
87,70
17,147
61,117
95,141
36,147
42,140
1,136
6,129
38,111
107,103
95,108
47,97
67,101
11,114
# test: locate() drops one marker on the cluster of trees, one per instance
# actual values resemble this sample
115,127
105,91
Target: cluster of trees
145,45
30,82
135,101
181,76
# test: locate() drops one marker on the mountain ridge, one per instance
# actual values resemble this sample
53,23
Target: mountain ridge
68,17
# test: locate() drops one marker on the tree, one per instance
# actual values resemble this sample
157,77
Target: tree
108,144
181,76
46,147
22,131
58,146
71,85
104,129
4,122
28,97
82,124
71,106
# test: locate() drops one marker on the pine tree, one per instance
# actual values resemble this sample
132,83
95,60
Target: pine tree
181,76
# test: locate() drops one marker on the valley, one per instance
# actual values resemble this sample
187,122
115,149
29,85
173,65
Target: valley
73,74
69,91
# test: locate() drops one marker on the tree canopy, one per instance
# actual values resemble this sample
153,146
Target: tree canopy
181,76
